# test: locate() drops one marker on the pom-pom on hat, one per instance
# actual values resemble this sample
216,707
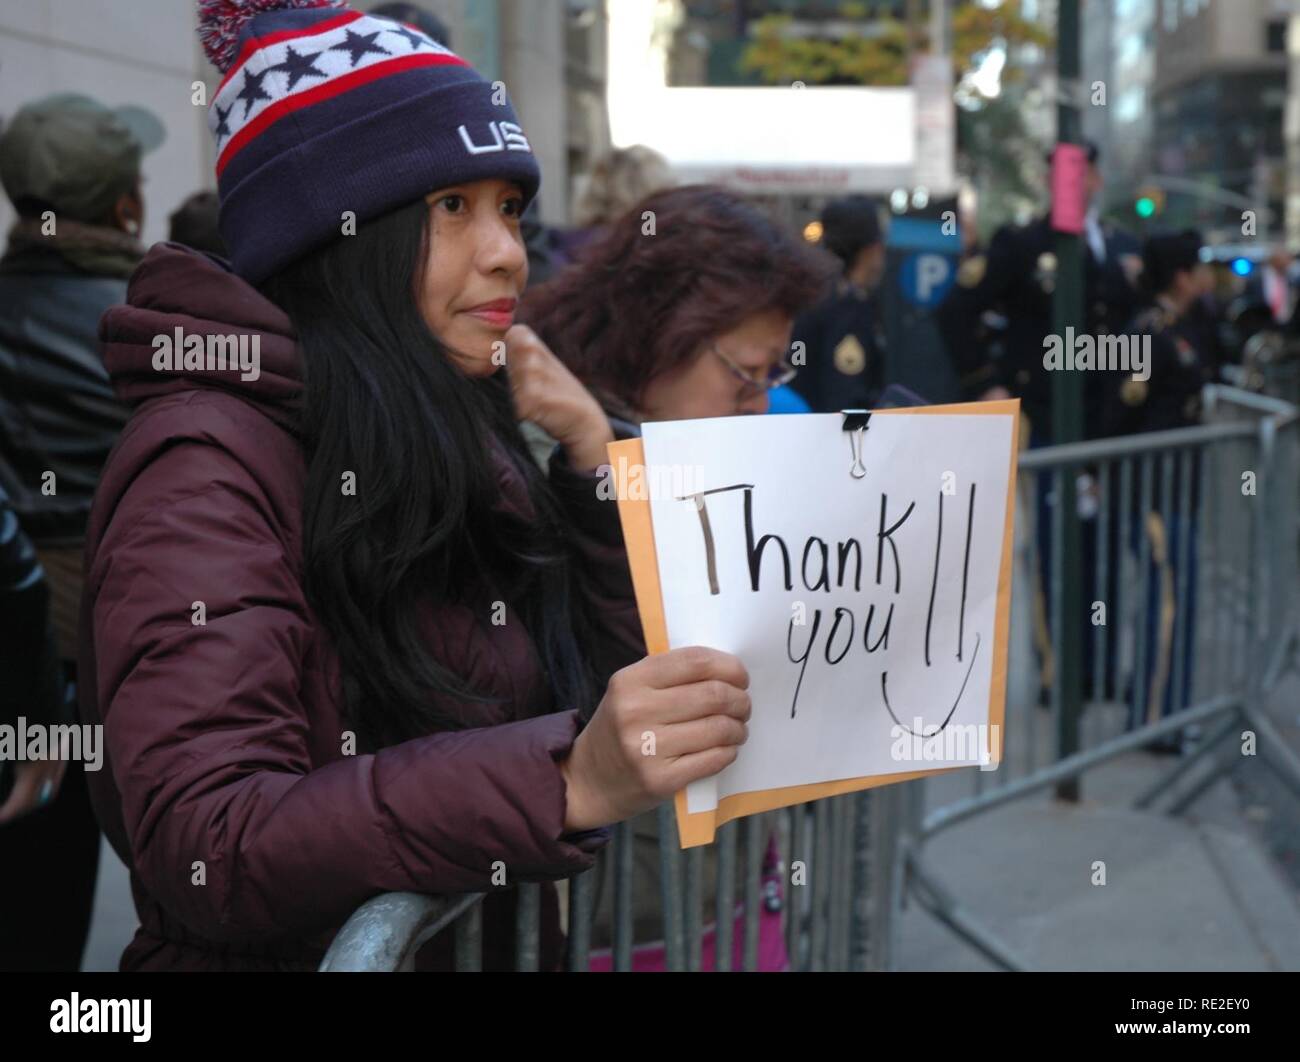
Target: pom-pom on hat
324,111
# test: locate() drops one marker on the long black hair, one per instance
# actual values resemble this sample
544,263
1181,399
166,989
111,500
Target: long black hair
384,401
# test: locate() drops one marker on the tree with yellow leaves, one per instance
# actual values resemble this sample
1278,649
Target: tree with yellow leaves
879,54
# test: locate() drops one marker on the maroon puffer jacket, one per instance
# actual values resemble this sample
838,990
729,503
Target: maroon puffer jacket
250,836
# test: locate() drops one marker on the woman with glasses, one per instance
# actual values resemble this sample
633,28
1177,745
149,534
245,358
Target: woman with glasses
684,309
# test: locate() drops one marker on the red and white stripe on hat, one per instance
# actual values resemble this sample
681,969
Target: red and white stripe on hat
279,73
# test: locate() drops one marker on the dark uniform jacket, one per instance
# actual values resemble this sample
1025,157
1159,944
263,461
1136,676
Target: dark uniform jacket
845,352
1171,397
1202,326
1017,280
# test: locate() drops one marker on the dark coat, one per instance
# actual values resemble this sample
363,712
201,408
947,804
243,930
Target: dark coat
1017,281
57,410
30,678
1171,398
845,352
224,740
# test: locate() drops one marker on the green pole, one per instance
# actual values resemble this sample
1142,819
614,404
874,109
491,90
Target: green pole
1067,414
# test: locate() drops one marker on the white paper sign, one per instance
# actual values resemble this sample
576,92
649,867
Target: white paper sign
864,609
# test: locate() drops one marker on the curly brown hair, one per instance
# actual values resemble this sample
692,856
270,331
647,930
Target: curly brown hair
635,305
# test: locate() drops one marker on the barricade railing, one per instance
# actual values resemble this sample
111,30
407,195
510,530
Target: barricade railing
813,887
1189,552
1190,548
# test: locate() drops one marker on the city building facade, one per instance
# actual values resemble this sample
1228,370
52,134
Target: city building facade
1218,98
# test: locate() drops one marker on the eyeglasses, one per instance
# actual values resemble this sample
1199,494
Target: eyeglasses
777,376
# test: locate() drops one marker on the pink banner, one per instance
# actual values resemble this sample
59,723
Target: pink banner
1069,194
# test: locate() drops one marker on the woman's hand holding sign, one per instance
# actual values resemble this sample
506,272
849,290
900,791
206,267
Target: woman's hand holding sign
665,721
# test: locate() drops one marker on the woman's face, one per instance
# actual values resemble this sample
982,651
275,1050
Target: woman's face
707,387
476,270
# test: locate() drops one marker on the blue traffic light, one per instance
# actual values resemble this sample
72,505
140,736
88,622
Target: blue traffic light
1243,267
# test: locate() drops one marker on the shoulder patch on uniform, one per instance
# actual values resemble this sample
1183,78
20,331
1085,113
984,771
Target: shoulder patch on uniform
850,357
972,271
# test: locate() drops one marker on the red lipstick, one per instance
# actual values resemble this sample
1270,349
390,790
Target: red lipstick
499,313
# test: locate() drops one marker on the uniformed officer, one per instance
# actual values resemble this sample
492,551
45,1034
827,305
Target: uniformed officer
1017,280
1170,396
1167,395
844,347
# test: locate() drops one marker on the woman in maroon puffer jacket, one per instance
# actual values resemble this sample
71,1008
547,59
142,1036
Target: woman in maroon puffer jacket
342,636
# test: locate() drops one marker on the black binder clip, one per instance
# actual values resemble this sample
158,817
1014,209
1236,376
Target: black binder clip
856,422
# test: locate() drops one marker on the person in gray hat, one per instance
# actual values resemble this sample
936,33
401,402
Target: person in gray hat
71,168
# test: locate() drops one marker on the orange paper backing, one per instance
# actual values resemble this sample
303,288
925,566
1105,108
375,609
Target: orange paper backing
638,533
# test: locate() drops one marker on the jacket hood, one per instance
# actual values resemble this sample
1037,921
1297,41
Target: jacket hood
189,323
176,287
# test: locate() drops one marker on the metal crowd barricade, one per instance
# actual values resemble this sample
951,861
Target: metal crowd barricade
1219,609
840,918
1229,573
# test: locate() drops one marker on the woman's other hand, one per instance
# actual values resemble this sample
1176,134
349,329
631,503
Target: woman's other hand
547,394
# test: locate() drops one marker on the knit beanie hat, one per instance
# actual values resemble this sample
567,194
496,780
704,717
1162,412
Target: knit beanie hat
325,111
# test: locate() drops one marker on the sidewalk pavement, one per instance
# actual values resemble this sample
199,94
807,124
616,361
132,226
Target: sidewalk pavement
1203,891
113,921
